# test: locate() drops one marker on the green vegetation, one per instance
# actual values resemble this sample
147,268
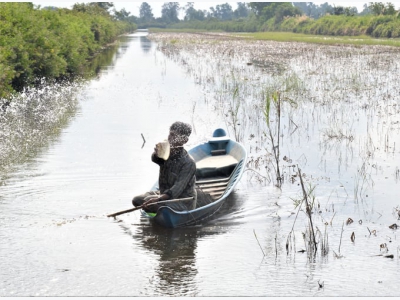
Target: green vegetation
374,26
51,43
377,20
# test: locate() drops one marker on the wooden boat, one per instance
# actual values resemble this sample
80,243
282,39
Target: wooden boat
220,164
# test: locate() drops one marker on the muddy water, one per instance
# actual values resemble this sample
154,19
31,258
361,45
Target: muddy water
56,240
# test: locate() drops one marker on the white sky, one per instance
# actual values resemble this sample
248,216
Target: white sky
133,6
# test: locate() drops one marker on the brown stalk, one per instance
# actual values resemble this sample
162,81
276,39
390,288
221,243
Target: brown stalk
308,209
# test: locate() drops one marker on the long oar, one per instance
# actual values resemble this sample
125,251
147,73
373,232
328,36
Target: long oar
141,206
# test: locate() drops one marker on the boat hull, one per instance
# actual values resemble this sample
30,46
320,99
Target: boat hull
215,174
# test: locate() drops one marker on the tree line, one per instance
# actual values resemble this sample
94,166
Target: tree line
52,43
377,19
225,12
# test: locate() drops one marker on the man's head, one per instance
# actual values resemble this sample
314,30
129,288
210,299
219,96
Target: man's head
179,133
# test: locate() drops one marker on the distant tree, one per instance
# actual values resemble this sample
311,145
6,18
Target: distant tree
338,10
257,7
279,10
314,11
93,8
170,12
379,8
350,11
145,12
192,14
122,15
365,11
324,8
222,12
104,5
241,11
390,9
285,10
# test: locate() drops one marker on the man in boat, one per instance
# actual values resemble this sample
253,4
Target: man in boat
177,174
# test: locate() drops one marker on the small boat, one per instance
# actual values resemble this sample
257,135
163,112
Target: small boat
220,164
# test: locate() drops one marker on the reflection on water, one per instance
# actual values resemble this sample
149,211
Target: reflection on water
145,43
175,269
108,57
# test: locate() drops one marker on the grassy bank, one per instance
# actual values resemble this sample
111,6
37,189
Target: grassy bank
320,39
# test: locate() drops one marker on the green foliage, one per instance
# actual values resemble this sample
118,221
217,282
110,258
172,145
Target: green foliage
193,14
241,11
375,26
277,10
222,11
379,8
257,7
313,10
169,12
145,12
50,43
293,17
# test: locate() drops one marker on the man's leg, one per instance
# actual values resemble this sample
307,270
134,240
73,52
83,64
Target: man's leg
140,199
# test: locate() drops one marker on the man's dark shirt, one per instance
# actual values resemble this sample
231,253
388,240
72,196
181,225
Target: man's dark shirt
177,174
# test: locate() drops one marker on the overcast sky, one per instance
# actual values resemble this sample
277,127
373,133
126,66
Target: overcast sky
133,6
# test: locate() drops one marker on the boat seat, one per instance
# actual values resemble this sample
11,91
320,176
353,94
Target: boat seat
215,166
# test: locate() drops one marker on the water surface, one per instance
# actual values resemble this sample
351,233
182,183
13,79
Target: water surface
57,241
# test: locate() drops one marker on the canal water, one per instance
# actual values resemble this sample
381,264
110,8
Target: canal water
57,241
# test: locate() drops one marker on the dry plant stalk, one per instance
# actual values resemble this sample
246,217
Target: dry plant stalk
258,242
308,209
276,100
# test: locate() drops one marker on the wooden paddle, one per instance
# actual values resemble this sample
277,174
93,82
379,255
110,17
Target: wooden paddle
141,206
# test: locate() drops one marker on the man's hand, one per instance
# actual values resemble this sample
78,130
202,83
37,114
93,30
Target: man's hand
152,200
155,150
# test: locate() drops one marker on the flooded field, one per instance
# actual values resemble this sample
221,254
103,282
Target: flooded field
327,116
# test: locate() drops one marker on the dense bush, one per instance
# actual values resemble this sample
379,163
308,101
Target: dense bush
375,26
38,43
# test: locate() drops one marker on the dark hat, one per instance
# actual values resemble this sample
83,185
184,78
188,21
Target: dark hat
181,128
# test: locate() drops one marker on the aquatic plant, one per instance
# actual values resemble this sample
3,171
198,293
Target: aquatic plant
233,114
362,180
275,99
310,233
